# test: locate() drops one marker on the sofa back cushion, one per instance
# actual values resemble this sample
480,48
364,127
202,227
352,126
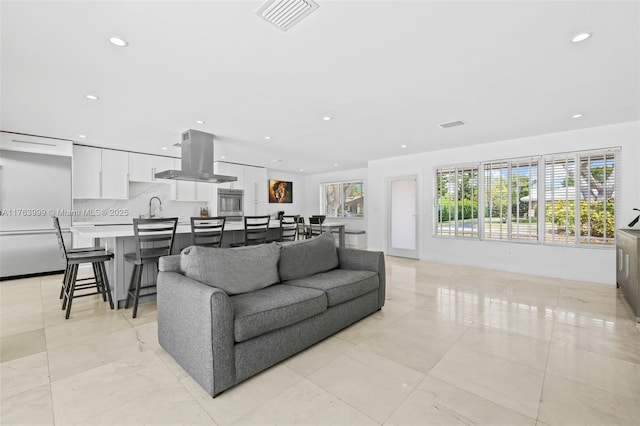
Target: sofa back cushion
303,258
235,270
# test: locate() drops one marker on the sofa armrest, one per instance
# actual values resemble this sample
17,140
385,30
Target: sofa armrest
195,326
362,260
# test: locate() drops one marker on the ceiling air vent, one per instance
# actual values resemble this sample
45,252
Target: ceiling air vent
452,124
284,14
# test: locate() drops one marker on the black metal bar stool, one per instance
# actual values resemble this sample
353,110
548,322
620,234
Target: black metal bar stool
56,226
255,230
154,239
71,283
207,231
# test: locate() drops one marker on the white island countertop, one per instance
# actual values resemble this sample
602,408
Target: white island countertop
115,231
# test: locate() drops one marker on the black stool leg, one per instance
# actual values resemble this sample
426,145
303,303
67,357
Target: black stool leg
64,281
105,281
70,289
137,295
98,280
134,273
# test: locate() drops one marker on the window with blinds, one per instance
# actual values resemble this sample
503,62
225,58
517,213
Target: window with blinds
509,205
559,199
580,194
457,202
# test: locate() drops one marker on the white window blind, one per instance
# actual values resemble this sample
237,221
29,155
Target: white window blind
559,199
457,202
509,205
580,198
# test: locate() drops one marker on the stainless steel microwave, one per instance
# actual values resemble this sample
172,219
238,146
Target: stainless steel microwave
231,203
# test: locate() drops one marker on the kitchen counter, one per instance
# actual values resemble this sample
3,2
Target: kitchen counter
119,239
119,230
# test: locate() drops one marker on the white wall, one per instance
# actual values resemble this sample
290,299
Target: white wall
312,195
589,264
299,191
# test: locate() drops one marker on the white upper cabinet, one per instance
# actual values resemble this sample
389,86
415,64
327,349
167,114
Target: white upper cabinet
87,167
115,176
143,167
100,173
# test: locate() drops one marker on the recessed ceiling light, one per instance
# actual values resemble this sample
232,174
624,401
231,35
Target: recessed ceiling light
267,137
403,146
302,170
92,97
576,116
200,121
326,118
223,157
335,165
580,37
117,41
164,148
82,136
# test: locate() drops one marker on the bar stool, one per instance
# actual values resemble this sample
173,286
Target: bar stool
289,227
207,231
56,226
154,239
73,258
315,226
255,230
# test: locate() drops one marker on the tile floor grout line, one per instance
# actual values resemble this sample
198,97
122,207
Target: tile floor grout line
46,349
546,365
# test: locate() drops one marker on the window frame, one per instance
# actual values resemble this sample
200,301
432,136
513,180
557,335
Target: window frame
540,161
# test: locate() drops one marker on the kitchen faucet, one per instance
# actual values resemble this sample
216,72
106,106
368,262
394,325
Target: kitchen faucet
152,213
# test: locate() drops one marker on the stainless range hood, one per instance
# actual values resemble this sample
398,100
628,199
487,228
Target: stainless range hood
197,160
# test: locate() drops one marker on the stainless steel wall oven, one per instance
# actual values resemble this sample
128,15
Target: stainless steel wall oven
231,203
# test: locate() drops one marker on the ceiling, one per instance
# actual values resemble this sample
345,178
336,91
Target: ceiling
387,72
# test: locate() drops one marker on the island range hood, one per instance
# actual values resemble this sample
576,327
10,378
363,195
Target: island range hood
197,160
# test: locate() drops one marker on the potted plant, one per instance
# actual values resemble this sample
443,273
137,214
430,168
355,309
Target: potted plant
634,221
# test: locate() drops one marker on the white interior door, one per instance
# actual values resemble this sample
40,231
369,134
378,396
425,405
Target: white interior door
402,233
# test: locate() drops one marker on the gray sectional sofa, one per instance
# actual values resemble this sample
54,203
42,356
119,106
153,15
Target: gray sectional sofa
227,314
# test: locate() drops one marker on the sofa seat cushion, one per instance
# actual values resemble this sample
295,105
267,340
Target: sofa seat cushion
339,284
273,308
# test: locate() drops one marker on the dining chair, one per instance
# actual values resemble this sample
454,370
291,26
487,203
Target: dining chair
315,226
289,227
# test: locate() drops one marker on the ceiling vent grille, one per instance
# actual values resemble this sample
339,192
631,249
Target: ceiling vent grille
284,14
452,124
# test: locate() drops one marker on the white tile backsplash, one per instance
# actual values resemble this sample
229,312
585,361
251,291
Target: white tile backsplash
136,205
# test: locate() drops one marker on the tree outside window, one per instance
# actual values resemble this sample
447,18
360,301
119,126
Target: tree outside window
343,199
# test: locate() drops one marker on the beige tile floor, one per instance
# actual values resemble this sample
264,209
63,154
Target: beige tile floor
453,345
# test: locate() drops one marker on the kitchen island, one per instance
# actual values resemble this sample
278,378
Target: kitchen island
119,239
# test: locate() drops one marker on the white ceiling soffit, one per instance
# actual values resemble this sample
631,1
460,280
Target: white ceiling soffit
284,14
